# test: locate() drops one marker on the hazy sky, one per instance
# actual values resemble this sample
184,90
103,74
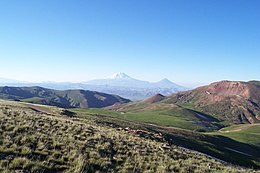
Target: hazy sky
186,41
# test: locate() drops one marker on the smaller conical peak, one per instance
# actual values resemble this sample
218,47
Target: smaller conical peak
120,75
165,80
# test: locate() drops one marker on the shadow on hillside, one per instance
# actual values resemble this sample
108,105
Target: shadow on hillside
217,146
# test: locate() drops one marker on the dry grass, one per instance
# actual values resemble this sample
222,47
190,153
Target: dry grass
35,141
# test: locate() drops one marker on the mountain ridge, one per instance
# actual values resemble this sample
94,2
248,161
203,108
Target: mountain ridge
61,98
118,84
234,101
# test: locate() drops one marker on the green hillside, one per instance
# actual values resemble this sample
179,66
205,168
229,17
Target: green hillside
165,114
246,133
206,108
48,139
214,145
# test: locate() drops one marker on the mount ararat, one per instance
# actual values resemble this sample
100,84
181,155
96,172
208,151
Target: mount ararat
118,84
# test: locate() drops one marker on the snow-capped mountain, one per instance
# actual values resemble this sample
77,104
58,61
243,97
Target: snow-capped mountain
120,76
164,83
119,84
123,85
119,80
123,80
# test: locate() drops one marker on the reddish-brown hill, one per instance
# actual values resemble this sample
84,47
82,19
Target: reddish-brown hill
237,102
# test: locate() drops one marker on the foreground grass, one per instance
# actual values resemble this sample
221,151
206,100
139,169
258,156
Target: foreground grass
217,146
58,141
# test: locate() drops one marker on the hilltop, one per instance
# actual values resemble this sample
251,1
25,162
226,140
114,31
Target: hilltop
231,101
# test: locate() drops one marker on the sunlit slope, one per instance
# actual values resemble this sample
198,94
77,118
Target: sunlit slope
206,108
247,133
155,111
51,139
215,145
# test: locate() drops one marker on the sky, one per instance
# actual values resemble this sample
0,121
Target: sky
190,42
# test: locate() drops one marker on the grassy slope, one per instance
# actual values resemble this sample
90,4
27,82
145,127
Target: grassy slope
167,115
44,140
155,117
246,133
214,145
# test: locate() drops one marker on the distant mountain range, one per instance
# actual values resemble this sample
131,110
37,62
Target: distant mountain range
64,99
118,84
123,80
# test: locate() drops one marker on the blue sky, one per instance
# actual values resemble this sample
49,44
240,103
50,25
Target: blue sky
186,41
